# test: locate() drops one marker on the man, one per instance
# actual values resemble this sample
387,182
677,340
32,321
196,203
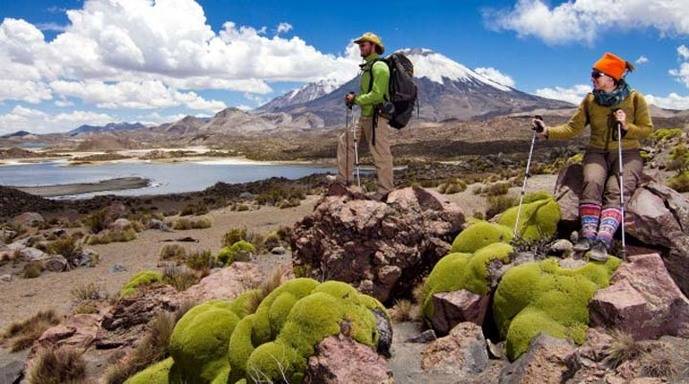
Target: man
372,126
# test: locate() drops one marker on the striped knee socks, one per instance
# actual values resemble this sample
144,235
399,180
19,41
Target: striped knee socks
609,222
590,216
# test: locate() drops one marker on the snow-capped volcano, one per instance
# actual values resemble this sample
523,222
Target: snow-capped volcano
447,90
437,68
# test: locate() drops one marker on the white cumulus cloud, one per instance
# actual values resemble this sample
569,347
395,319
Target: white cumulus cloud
36,121
672,101
495,75
124,45
641,60
574,94
585,21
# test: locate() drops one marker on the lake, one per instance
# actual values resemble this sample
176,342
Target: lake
185,176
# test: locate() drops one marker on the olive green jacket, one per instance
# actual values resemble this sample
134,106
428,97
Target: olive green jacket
602,123
379,92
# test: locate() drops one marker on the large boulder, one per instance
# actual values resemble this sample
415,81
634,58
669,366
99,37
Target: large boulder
376,246
656,215
642,300
340,360
225,284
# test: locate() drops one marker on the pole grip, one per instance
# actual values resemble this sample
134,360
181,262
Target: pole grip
538,125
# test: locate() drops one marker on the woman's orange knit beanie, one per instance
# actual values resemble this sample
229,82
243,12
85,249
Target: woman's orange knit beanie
612,65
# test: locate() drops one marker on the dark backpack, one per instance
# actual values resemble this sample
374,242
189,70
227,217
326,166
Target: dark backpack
401,89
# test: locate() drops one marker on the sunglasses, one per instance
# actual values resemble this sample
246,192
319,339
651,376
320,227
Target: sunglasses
597,74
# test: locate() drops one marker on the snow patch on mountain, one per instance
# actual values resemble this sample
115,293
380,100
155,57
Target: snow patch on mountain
437,67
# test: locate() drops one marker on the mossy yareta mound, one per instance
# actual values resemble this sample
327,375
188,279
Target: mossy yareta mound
463,271
479,234
139,280
543,297
538,219
221,342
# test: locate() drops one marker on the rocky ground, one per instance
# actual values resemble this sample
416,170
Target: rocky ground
426,291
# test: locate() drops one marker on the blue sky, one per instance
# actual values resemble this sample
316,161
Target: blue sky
155,61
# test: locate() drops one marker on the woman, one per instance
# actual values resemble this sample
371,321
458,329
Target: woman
611,102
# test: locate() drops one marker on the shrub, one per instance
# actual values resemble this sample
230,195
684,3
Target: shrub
179,277
172,252
58,365
185,224
277,195
112,236
239,251
97,221
680,182
452,186
88,291
234,235
538,219
194,209
150,350
623,348
498,204
665,134
32,270
67,247
495,189
403,310
23,334
200,260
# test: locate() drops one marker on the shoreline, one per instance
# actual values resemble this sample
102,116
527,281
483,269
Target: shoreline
58,190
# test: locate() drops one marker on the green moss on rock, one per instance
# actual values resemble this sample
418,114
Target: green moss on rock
478,235
538,219
139,280
200,340
221,342
155,374
543,297
463,271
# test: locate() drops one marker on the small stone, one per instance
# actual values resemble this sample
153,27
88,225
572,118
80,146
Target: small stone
452,308
562,246
55,263
278,251
424,337
6,278
117,268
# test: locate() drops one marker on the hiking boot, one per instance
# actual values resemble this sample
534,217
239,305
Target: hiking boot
598,252
582,245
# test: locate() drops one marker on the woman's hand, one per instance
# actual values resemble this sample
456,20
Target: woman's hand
538,123
621,117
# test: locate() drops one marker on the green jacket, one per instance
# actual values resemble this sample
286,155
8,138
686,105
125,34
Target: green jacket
381,78
602,123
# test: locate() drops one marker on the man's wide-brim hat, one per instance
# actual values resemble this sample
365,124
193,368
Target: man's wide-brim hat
372,38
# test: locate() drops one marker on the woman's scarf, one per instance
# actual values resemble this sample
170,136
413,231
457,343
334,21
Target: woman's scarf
608,99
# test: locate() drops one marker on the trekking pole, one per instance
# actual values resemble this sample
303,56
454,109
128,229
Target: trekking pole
537,128
356,145
621,179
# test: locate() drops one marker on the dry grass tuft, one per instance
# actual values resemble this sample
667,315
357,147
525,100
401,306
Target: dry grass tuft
404,310
623,348
21,335
62,365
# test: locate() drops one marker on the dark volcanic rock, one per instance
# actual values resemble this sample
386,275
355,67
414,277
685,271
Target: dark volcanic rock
376,246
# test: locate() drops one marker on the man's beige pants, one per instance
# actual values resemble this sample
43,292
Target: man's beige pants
382,157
